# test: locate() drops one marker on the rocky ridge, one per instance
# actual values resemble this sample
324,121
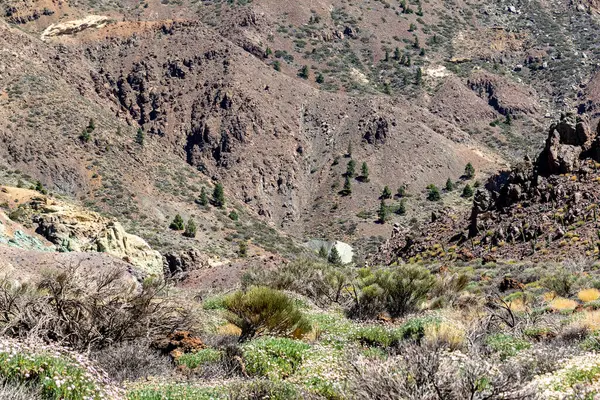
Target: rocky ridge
540,209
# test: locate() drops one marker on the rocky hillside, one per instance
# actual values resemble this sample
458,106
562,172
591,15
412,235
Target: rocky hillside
132,108
543,209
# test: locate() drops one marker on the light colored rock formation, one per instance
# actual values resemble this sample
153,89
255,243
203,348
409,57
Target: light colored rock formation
345,251
71,27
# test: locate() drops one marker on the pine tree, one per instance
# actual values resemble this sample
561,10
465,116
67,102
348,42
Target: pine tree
276,65
469,171
449,185
303,72
467,191
401,210
416,44
177,224
364,171
401,191
190,229
203,197
91,126
347,190
382,212
387,55
508,120
139,137
320,79
218,196
396,54
433,193
419,77
323,251
349,150
351,168
334,256
387,193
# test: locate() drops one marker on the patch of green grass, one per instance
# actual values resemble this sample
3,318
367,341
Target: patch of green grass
274,358
199,358
506,345
175,391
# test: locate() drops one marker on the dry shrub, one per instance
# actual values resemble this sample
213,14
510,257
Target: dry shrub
131,361
84,312
587,295
18,391
562,304
445,334
430,373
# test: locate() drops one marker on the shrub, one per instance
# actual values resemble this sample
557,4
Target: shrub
11,390
387,193
89,312
588,295
190,229
506,345
323,283
561,282
433,193
303,72
131,361
467,191
199,358
396,290
377,335
351,169
177,224
262,311
234,216
275,358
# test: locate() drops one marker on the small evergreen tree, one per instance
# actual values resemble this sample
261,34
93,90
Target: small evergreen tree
91,126
412,27
387,193
320,79
218,196
190,229
139,137
416,43
401,191
349,150
40,188
469,171
397,54
401,210
203,197
303,72
449,185
347,190
268,51
234,216
419,77
364,171
467,191
387,55
276,65
323,251
422,52
351,168
177,224
334,256
382,212
433,193
85,136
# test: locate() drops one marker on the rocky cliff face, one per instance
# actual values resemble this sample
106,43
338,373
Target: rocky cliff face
74,229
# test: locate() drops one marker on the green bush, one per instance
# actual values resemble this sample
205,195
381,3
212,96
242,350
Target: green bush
262,310
561,282
199,358
177,224
377,336
275,358
506,345
395,290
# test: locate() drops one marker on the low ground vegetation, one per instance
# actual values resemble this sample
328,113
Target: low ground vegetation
313,330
